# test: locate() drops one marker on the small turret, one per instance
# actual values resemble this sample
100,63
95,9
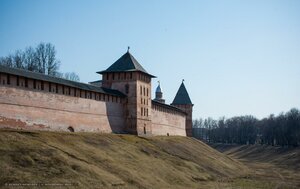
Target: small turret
159,94
182,100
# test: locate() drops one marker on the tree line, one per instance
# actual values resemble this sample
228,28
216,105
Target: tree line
283,129
41,59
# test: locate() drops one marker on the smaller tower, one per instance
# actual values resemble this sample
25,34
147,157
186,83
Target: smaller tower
159,94
183,101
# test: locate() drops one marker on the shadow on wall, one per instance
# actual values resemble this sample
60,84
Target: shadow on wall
115,116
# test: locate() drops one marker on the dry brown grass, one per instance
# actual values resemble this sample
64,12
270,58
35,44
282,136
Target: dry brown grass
271,167
90,160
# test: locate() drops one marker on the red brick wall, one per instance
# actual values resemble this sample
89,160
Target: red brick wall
28,109
164,123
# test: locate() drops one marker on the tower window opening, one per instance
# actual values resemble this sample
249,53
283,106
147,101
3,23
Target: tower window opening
126,88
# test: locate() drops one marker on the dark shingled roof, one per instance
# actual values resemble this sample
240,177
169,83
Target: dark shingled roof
182,96
127,63
43,77
168,106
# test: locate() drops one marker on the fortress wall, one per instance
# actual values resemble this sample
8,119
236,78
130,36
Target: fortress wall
166,122
32,109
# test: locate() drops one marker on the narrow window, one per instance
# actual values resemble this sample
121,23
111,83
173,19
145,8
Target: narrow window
8,79
26,82
126,88
113,76
34,84
141,90
144,128
107,77
144,91
147,92
141,111
17,80
42,85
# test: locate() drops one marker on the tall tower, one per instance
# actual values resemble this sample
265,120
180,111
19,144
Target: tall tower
159,94
183,101
129,77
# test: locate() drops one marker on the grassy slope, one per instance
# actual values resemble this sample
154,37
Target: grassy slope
283,157
272,167
91,160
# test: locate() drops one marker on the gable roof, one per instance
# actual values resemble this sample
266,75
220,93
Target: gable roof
52,79
127,63
182,96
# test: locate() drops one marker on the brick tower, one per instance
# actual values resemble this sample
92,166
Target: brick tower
183,101
129,77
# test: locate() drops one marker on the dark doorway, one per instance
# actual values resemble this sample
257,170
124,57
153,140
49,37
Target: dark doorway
71,129
144,129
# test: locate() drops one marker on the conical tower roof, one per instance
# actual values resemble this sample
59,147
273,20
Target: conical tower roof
126,63
158,88
182,96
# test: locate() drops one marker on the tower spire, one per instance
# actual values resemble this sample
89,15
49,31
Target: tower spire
128,49
159,94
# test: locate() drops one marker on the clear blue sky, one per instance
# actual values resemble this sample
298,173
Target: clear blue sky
237,57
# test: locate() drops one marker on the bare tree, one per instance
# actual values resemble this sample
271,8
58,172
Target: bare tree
41,59
45,56
30,60
71,76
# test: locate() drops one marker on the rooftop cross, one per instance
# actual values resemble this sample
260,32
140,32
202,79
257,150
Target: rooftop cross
128,49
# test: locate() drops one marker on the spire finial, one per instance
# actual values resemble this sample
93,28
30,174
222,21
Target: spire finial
158,82
128,49
182,80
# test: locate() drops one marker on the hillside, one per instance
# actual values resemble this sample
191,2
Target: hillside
90,160
276,167
280,156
